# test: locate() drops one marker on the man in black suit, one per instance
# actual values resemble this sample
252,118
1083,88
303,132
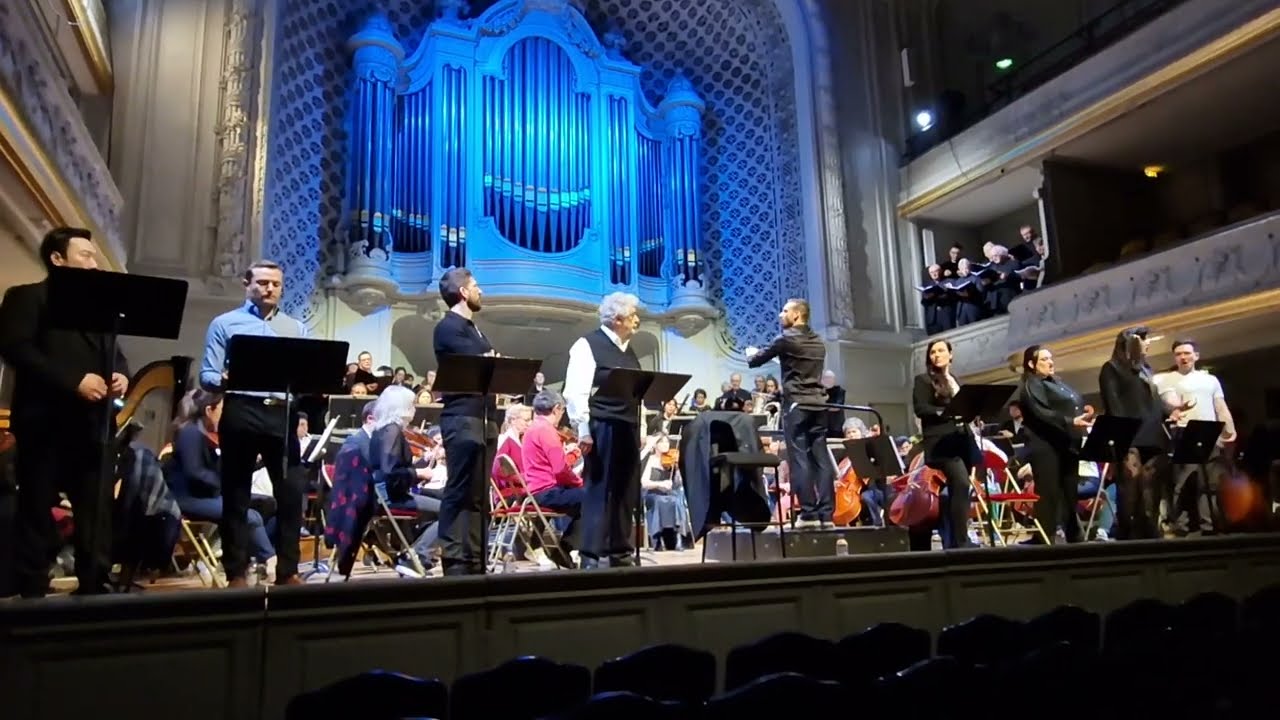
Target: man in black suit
60,406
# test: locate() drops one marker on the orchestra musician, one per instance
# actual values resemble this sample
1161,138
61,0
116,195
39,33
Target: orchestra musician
394,473
1054,423
802,355
511,445
60,403
608,433
252,426
548,475
947,447
464,511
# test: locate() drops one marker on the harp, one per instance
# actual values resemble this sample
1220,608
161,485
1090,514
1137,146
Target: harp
153,397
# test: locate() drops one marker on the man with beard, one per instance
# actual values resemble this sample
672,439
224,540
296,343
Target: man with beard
464,507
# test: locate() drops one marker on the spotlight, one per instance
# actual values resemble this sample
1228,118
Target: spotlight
1004,63
1153,171
924,119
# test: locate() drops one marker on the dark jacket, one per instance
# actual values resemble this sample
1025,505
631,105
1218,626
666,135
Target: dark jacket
1049,409
392,461
940,437
192,470
1130,393
50,363
747,499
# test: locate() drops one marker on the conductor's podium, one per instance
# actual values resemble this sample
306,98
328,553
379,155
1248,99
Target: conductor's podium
801,543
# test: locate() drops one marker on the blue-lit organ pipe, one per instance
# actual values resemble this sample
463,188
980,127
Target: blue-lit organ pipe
685,216
372,125
537,156
652,248
620,133
411,204
452,195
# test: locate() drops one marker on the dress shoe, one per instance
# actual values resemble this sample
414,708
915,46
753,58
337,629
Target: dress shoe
237,583
627,560
291,580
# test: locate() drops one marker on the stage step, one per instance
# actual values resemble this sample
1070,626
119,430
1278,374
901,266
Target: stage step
803,543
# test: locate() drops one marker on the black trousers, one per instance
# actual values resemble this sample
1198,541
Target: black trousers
47,461
612,482
250,428
955,506
464,506
1142,474
1057,476
813,476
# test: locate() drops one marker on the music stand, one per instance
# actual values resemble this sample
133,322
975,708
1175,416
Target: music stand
1194,445
1109,439
487,376
875,459
112,304
296,366
640,386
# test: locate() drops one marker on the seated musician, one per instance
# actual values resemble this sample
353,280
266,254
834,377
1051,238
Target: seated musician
193,473
549,478
665,511
394,471
699,402
777,481
660,423
514,425
872,495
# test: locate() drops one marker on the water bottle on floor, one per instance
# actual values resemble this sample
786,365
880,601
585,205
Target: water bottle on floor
252,576
508,563
842,547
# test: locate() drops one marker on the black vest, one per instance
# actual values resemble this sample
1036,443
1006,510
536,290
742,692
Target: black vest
608,356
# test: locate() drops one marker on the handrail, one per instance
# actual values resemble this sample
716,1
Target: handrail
1087,39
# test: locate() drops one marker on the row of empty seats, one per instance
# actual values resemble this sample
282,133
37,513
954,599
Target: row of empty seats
1208,657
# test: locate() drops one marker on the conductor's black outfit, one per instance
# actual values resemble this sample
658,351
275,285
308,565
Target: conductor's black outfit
59,438
950,448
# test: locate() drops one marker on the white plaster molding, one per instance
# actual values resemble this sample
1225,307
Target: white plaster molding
237,86
1237,261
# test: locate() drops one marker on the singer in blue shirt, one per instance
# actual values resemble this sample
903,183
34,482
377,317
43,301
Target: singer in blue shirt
253,425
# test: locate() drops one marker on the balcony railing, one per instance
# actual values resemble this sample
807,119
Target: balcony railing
1183,285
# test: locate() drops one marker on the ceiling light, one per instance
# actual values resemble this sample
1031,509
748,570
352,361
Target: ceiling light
924,119
1004,63
1153,171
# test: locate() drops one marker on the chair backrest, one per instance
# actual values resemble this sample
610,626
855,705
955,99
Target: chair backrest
936,687
1260,612
526,687
884,649
1137,622
376,694
624,706
1066,623
984,640
663,672
784,652
778,695
1210,613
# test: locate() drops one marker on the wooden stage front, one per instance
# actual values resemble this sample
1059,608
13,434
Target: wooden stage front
243,654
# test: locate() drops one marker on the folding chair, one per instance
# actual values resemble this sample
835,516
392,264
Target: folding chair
1099,497
519,512
992,506
196,533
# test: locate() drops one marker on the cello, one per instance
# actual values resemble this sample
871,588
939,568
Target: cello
848,495
918,502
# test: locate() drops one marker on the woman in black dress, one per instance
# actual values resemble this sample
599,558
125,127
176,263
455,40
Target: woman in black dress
1129,390
948,446
1055,420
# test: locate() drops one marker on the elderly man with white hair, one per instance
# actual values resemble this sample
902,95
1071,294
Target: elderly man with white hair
608,433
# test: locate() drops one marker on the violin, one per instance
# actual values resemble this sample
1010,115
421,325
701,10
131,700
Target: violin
670,458
848,495
418,441
572,453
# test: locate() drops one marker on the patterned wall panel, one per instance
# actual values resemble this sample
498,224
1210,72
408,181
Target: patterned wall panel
736,55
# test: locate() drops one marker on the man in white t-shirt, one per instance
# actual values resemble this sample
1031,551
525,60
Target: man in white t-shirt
1197,395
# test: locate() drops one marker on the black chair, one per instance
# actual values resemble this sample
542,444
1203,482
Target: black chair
884,649
525,688
375,695
1138,622
780,695
1260,612
1066,623
724,466
784,652
1206,615
937,687
662,672
624,706
988,640
1056,670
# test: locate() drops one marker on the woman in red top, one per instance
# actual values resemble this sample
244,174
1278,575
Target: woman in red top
510,442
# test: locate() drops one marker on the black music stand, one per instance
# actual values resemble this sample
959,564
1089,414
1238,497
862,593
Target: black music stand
488,376
1108,441
1194,445
113,304
291,366
971,403
640,386
874,458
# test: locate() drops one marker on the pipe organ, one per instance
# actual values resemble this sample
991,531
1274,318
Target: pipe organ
520,145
